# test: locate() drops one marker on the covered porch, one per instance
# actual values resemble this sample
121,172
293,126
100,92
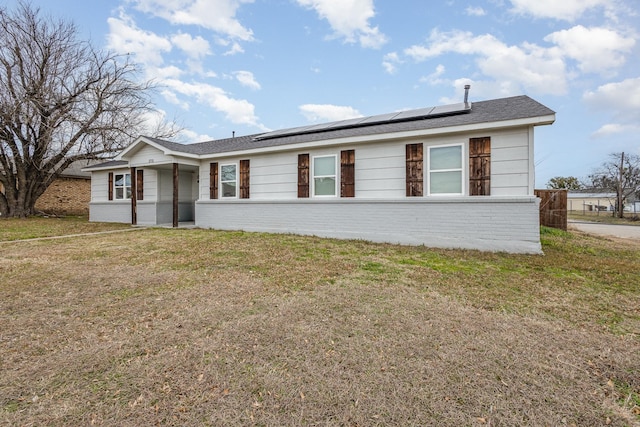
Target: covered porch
164,194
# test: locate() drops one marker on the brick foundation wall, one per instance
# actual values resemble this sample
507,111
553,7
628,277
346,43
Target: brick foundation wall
69,196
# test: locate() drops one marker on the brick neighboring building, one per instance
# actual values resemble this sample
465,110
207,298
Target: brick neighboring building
70,194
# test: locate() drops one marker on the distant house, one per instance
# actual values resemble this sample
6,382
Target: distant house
454,176
69,194
591,201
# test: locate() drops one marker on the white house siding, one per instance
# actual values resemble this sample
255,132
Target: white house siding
507,220
511,170
101,209
149,156
150,185
380,167
491,223
146,213
380,170
273,177
100,185
110,211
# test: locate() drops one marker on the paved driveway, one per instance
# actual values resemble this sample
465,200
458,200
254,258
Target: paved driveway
621,231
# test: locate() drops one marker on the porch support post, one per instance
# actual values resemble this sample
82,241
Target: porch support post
134,195
175,195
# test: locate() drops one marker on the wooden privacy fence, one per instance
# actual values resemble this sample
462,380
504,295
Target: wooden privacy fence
553,208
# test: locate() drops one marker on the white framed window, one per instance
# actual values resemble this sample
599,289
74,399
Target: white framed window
228,180
122,186
324,176
445,171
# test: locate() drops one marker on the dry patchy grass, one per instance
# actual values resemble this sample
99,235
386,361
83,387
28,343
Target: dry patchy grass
200,327
38,227
630,218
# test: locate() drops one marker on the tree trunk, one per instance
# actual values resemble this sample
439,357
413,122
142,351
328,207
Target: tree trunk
20,202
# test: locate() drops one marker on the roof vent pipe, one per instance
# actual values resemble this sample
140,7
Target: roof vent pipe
233,134
466,94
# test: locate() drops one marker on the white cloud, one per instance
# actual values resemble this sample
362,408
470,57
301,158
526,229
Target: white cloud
623,96
328,112
247,79
216,15
235,49
188,136
236,110
596,49
390,62
349,19
434,78
125,37
568,10
612,129
149,49
620,100
532,67
194,47
170,72
172,98
475,11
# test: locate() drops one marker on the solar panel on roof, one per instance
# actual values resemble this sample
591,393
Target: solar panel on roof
346,123
283,132
412,114
379,118
421,113
448,109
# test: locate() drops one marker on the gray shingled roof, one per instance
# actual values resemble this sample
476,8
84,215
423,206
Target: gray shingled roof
517,107
497,110
108,164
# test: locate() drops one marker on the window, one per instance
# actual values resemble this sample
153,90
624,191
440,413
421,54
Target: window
324,176
228,180
445,170
122,186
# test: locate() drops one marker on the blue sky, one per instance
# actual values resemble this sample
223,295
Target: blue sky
254,65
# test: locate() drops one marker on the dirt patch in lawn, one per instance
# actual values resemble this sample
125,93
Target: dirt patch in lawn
208,328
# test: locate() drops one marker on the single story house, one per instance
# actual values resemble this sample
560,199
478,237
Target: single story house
453,176
591,201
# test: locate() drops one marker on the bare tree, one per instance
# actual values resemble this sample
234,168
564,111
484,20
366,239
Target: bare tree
620,174
61,100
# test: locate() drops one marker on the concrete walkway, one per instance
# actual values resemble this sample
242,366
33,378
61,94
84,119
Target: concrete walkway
611,230
66,236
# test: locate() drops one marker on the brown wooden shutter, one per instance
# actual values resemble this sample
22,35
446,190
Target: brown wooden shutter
415,175
213,180
480,166
303,175
140,184
110,186
347,173
244,179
